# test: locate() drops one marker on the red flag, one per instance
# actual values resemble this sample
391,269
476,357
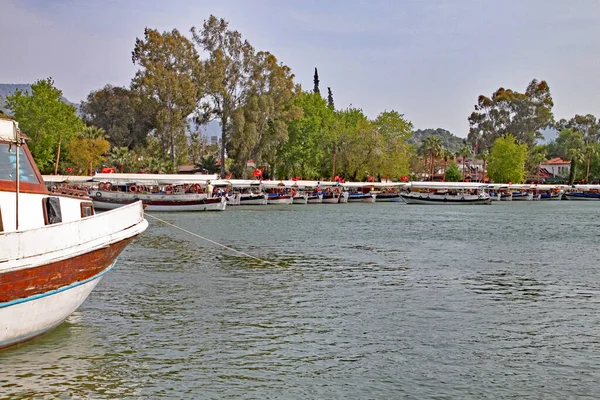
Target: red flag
336,178
370,179
228,176
258,172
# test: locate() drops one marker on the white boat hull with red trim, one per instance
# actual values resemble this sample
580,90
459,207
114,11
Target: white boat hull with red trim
159,202
279,199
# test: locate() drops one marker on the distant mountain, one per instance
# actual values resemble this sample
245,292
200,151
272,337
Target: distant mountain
6,89
449,140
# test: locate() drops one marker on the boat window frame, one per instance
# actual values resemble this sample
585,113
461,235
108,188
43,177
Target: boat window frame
45,209
85,204
1,223
25,187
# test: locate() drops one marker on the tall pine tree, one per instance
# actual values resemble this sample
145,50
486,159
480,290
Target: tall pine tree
316,82
330,99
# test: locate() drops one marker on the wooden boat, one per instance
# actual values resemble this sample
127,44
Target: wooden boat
358,197
446,193
388,197
54,248
583,192
279,198
171,198
300,198
315,198
248,199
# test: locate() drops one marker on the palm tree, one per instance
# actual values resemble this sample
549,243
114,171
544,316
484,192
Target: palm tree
120,157
591,149
484,156
446,155
465,152
93,132
538,159
433,146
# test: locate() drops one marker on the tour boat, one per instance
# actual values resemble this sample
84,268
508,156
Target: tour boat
300,198
335,197
279,198
388,197
583,192
549,192
54,248
358,197
159,198
248,199
446,193
315,198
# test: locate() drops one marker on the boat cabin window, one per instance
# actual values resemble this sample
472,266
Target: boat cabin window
8,164
87,209
52,214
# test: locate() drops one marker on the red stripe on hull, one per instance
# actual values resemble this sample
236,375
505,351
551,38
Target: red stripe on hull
159,203
37,280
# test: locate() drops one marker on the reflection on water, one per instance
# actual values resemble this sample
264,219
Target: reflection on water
368,301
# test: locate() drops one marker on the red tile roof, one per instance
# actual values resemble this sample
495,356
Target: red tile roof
555,161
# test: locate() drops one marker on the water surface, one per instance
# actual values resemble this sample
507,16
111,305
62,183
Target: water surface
368,301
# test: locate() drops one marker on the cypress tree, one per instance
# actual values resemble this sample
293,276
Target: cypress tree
329,98
316,82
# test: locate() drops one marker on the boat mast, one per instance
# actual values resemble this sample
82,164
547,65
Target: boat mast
17,134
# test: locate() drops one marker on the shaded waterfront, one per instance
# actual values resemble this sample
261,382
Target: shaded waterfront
371,301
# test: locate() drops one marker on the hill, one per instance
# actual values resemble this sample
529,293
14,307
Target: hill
6,89
449,140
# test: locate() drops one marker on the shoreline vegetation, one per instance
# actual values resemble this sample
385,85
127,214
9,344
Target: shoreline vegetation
268,122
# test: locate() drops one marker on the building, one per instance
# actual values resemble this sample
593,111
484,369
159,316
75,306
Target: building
214,140
557,167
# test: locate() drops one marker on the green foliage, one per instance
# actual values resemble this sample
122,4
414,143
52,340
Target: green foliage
170,74
394,131
453,173
229,76
572,147
316,82
522,115
306,153
507,160
448,140
86,151
46,119
330,103
126,116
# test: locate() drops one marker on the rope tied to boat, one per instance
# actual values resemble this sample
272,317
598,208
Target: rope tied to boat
212,241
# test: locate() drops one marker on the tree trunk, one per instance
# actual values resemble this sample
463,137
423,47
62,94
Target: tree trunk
572,172
445,168
57,155
333,162
483,172
587,175
223,130
431,168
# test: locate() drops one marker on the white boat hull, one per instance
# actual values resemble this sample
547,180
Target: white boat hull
315,199
171,207
31,317
280,200
423,198
300,199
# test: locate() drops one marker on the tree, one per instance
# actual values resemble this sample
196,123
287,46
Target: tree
483,156
446,155
572,147
229,70
522,115
170,74
260,124
464,152
453,173
307,150
126,117
316,82
394,131
86,151
433,147
589,127
507,160
120,157
330,99
47,121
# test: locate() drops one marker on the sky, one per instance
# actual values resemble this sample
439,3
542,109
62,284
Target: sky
427,59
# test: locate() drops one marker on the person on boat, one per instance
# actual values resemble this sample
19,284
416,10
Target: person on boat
209,189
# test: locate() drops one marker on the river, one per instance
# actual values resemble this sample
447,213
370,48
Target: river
371,301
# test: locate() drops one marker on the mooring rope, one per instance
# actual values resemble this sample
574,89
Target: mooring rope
211,241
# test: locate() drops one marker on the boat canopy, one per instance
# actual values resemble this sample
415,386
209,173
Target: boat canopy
448,185
154,179
66,178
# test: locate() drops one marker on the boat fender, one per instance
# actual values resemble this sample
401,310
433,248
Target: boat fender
132,189
462,197
98,194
